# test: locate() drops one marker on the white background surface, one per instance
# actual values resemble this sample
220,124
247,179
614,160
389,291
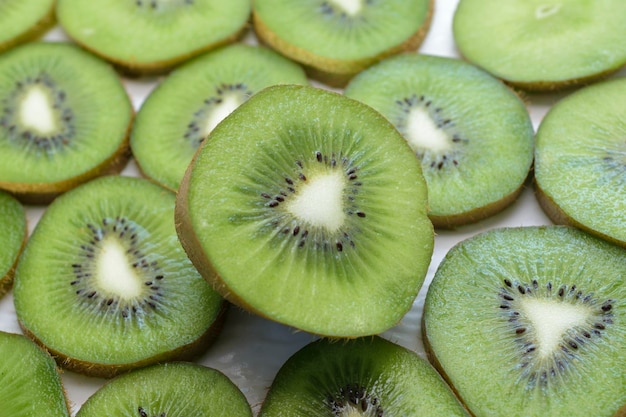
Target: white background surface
250,349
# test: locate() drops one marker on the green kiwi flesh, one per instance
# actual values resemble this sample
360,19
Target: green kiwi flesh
104,284
529,43
472,134
308,208
23,20
178,115
530,321
336,39
168,390
64,119
151,36
13,235
30,384
580,160
369,377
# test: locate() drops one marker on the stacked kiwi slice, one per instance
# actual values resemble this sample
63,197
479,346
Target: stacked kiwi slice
24,20
309,208
179,114
534,331
30,384
151,36
370,377
64,119
472,134
580,160
104,284
336,39
543,45
13,235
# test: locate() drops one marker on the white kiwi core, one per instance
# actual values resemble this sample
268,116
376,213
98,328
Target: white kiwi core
319,200
550,320
422,132
226,107
36,111
351,7
114,272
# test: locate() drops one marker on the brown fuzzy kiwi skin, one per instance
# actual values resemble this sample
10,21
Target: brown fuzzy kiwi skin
6,282
45,193
335,72
36,31
558,216
188,352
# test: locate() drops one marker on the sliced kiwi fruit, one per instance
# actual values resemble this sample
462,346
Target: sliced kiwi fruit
542,45
336,39
530,321
581,160
64,119
472,134
13,235
368,376
182,110
151,36
30,384
104,284
308,208
24,20
168,390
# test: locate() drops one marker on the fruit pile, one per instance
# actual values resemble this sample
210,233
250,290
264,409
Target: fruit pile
295,208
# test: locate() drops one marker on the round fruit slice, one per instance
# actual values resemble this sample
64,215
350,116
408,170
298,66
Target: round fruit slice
64,119
151,36
13,235
104,284
581,159
531,322
169,389
29,382
336,39
23,20
308,208
183,109
472,134
529,43
360,377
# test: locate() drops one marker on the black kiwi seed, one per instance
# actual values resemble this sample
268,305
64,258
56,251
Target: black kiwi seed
353,397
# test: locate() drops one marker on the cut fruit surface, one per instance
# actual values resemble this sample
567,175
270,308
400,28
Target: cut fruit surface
580,160
308,208
529,43
179,114
148,36
169,389
337,39
367,377
530,321
29,382
13,235
65,119
472,134
23,20
104,284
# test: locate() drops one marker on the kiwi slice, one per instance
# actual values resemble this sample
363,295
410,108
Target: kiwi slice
336,39
361,377
104,284
308,208
168,390
64,119
151,36
30,384
530,321
13,235
580,160
24,20
181,111
472,134
542,45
